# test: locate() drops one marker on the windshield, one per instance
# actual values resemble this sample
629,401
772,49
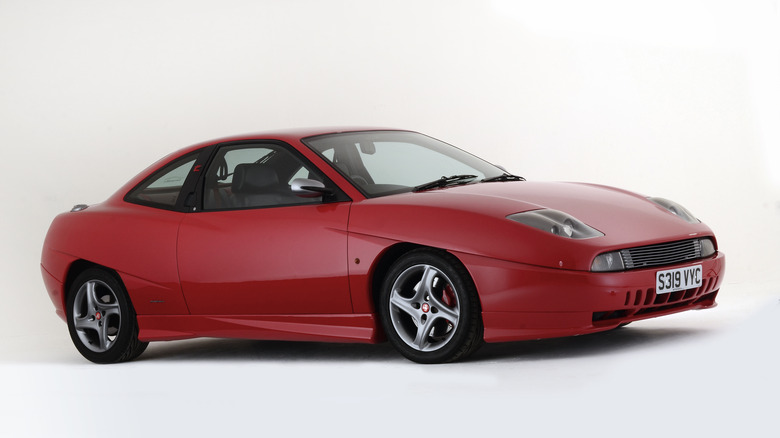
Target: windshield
382,163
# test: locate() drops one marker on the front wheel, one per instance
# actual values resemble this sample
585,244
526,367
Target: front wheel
101,319
429,308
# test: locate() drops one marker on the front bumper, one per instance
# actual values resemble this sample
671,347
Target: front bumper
521,302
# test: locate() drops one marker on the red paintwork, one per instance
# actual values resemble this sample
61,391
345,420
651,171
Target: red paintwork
283,327
277,261
306,272
138,242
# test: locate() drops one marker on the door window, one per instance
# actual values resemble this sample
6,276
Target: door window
253,176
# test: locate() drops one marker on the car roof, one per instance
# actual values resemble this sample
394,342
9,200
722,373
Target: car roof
287,135
299,133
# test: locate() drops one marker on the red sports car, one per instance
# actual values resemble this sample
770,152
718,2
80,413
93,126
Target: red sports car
360,236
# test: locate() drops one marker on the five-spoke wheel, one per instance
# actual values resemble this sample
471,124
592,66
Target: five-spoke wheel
429,307
96,315
101,319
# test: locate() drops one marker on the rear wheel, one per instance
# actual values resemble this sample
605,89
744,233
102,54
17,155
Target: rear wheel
101,319
430,309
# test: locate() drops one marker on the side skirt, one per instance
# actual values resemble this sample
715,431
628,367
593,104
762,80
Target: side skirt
360,328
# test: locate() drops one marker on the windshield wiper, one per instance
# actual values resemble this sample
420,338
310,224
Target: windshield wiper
445,181
504,177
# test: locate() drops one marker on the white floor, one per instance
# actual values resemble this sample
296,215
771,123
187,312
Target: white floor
707,373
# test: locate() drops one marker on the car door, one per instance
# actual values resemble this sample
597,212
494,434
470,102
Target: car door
255,247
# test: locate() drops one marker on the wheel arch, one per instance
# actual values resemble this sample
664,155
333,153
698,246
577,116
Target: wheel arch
76,268
395,252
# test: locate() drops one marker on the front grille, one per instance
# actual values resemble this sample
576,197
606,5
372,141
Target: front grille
668,253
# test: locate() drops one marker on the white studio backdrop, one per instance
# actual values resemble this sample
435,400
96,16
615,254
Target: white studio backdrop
679,99
675,99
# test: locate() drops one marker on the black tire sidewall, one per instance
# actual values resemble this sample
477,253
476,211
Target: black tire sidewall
127,326
469,323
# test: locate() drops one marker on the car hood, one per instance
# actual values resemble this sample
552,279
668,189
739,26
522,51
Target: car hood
440,217
621,215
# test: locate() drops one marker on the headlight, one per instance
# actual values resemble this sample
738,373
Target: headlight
676,209
707,247
607,262
556,222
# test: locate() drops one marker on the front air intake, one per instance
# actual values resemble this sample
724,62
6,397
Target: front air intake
661,254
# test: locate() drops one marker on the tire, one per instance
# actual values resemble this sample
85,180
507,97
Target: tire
429,308
101,319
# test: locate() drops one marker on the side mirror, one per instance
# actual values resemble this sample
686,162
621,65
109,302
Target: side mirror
309,188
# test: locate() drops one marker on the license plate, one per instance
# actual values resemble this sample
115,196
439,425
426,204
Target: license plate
673,280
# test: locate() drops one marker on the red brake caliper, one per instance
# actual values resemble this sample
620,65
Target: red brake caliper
448,295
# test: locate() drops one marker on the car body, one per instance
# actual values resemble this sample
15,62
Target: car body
355,235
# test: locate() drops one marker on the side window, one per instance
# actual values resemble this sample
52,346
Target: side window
163,187
249,176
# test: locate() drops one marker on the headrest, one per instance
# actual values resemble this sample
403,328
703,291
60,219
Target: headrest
253,178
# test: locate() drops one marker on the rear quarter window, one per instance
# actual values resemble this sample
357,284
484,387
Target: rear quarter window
162,188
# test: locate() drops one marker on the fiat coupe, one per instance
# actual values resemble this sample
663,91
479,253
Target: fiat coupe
365,235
